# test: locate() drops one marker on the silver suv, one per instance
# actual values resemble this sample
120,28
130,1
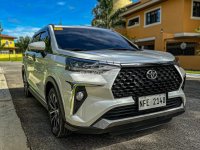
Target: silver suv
94,80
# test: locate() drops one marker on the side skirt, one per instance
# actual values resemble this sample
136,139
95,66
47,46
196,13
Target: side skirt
38,97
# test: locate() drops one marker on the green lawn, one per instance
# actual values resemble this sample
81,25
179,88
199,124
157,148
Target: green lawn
193,72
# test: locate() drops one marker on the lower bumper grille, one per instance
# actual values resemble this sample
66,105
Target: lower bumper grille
132,110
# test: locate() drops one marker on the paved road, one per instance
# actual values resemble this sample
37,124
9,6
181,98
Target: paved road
182,132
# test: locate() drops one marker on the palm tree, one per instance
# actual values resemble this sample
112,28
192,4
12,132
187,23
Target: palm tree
105,17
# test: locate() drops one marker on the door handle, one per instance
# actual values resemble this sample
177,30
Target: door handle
34,57
31,57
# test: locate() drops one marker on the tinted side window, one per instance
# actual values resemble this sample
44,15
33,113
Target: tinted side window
36,38
46,38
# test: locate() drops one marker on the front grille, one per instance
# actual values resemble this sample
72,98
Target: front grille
132,110
132,81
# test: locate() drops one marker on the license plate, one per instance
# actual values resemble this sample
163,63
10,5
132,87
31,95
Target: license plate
153,101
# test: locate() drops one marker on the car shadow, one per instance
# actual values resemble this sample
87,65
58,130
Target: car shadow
35,122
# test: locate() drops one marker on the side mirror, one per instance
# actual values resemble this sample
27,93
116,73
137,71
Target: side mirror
38,46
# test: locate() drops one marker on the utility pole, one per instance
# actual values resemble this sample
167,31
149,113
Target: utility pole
1,28
60,23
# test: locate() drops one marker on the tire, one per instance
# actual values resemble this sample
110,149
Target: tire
55,114
27,93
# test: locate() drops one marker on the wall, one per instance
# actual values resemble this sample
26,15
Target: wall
190,62
171,20
176,18
10,42
121,31
190,24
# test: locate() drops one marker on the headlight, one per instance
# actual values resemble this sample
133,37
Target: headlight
176,61
85,65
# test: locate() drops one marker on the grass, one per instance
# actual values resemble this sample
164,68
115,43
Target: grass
193,72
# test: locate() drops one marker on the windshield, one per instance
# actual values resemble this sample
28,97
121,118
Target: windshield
91,39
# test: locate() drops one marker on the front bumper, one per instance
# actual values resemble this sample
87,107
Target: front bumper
140,122
105,123
100,100
134,124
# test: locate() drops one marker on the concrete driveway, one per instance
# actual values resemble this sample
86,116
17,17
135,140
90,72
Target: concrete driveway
183,132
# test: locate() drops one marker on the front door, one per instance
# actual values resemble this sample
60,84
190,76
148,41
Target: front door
30,63
41,61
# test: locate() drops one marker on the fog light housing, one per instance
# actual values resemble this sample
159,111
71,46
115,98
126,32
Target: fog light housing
79,96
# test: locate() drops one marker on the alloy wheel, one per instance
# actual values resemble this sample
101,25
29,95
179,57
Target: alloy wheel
54,112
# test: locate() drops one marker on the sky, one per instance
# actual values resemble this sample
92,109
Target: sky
24,17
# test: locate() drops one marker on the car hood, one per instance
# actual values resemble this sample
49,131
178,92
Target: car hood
126,57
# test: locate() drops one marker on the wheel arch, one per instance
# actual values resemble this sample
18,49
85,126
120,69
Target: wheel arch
23,70
49,83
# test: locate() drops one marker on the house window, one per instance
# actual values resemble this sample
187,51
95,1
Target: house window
196,8
134,22
190,48
153,17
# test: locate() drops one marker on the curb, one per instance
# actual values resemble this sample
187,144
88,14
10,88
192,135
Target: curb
4,91
12,135
196,76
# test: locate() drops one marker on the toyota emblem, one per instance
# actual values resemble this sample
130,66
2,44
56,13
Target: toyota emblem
151,74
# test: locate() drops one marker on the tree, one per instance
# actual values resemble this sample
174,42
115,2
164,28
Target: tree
105,17
22,43
1,45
